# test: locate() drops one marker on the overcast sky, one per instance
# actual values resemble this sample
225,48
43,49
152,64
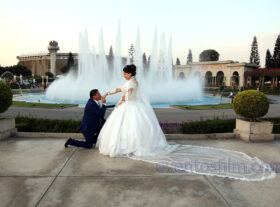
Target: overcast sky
227,26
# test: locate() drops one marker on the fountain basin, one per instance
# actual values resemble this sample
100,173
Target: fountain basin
41,98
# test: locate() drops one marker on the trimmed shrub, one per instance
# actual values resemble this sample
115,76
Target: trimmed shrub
25,124
251,104
6,97
208,126
276,128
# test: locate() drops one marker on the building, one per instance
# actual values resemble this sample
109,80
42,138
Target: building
263,76
217,73
40,63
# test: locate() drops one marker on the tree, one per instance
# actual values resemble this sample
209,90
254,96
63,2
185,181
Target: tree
268,59
190,57
178,61
254,57
70,64
276,53
18,70
149,60
2,70
144,59
111,51
49,74
70,61
131,53
110,58
209,55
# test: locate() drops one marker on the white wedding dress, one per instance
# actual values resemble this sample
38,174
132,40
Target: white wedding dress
132,130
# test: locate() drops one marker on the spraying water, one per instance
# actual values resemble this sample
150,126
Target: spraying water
155,79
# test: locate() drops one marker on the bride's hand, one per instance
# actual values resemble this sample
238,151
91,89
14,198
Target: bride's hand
103,100
105,95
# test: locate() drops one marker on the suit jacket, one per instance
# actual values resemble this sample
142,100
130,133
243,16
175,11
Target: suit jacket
93,119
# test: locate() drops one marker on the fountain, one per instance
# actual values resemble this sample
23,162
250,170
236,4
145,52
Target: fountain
93,72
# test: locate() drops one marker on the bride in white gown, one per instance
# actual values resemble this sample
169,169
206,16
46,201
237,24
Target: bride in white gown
132,130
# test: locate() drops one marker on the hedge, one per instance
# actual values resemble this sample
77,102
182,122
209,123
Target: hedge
208,126
25,124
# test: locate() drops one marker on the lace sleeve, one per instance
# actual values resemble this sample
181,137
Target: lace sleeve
127,91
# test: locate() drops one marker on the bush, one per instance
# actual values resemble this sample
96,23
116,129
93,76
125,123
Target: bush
25,124
208,126
19,69
6,97
251,104
49,74
276,128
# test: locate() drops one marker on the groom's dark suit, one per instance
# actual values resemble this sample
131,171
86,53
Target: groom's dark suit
91,125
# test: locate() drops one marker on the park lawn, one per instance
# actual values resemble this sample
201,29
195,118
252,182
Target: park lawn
217,106
41,105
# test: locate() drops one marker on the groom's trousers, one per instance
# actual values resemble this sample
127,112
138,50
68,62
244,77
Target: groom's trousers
90,138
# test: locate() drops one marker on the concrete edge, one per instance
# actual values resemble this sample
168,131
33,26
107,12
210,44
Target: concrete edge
168,136
50,135
9,133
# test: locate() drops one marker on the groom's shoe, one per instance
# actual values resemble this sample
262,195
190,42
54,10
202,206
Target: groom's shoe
67,143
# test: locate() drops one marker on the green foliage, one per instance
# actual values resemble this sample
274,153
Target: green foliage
276,53
6,97
70,64
251,104
111,53
276,128
40,105
49,74
208,126
25,124
144,59
17,70
268,59
2,70
254,57
199,107
64,69
190,57
209,55
131,53
178,61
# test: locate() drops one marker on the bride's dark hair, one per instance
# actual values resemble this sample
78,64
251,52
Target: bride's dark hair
130,69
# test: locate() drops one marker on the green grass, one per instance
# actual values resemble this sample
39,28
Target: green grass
41,105
218,106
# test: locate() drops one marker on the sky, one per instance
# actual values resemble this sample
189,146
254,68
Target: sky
227,26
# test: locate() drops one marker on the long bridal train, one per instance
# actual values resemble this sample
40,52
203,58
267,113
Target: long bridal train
132,130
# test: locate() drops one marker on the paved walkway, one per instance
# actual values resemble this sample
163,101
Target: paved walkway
41,172
163,114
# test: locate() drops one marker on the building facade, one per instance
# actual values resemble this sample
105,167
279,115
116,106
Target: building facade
40,63
263,76
216,73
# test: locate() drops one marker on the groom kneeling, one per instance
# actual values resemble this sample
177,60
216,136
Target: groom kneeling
92,122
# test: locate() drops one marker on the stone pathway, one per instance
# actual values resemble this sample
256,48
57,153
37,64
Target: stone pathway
41,172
